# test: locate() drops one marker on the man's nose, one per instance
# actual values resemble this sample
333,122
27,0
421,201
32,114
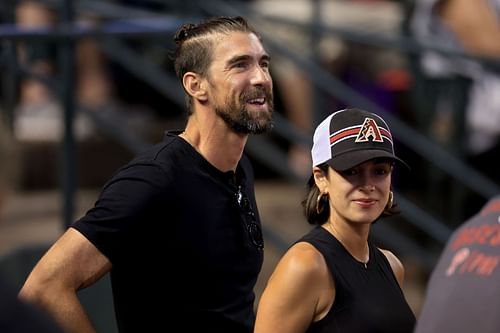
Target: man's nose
261,76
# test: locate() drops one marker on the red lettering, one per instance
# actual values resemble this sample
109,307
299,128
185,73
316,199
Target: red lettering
484,234
471,263
495,239
480,264
457,260
489,265
463,238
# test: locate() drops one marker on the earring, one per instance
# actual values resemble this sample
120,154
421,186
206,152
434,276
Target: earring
318,200
390,201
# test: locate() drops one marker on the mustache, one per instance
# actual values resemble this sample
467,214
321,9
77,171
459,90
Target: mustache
257,92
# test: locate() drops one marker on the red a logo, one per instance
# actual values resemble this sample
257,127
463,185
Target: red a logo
369,129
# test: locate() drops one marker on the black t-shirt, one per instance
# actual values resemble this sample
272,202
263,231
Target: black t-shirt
368,298
463,294
170,223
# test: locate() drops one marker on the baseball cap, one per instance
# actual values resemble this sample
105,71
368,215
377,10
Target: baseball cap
349,137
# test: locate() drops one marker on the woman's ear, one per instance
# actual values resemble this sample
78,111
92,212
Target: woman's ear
195,86
320,179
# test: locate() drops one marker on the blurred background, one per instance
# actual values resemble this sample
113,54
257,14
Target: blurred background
85,85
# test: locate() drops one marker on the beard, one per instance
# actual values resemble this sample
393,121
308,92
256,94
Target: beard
238,118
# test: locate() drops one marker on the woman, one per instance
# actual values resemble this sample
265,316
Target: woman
334,279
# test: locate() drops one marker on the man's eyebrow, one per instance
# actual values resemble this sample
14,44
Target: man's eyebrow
237,59
245,57
266,57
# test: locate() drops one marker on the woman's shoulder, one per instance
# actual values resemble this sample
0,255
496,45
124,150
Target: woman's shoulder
396,265
303,259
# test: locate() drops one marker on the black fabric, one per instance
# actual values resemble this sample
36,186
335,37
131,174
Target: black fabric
367,299
19,317
463,294
171,226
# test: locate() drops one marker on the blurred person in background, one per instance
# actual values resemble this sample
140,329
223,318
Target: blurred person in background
16,316
39,115
335,278
465,112
463,294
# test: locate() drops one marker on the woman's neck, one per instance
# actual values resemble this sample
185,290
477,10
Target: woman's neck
354,240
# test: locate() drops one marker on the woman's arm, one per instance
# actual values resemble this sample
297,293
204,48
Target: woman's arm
299,292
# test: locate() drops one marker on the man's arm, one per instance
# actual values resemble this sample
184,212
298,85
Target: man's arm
71,264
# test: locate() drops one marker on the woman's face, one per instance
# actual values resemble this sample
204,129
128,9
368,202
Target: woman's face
359,194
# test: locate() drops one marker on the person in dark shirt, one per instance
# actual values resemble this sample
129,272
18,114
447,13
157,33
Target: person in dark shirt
17,316
177,227
463,294
334,279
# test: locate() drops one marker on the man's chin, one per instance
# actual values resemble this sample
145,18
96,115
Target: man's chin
262,126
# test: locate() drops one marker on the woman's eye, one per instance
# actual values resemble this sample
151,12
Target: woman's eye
383,171
349,172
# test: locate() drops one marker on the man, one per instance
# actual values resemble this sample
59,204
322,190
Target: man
177,227
463,294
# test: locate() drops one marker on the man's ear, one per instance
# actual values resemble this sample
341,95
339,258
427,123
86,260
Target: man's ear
195,86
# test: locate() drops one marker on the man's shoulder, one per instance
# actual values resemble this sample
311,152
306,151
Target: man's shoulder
160,152
155,162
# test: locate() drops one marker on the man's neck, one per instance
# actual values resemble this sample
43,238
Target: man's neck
220,146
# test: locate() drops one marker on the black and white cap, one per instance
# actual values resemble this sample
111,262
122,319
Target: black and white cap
350,137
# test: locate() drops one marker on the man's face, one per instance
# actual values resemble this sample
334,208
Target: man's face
240,83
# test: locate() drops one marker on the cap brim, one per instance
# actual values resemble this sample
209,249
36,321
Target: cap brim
350,159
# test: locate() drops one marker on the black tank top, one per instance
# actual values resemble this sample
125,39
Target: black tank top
368,298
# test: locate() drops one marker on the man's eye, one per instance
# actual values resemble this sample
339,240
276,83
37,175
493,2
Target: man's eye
240,64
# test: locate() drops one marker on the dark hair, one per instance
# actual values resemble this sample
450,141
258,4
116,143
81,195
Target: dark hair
195,44
317,211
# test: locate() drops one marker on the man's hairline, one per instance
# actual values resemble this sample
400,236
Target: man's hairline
212,36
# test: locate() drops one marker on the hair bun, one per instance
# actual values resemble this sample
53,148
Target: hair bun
184,33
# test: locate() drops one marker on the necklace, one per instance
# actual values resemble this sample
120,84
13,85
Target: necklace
331,229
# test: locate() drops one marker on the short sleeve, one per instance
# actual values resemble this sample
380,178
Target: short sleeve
130,198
